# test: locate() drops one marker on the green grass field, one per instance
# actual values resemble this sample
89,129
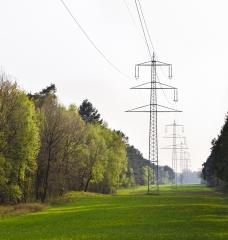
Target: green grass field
190,212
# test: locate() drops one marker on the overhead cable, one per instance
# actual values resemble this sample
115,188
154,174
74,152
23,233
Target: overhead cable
147,30
144,32
91,41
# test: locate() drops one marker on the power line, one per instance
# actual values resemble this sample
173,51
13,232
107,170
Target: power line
91,41
130,14
148,33
133,19
144,33
153,105
143,20
140,34
150,39
143,37
152,45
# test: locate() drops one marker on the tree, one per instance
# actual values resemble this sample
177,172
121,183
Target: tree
114,174
65,172
215,169
137,163
19,142
47,149
166,175
149,174
62,133
88,113
208,170
95,157
39,98
52,136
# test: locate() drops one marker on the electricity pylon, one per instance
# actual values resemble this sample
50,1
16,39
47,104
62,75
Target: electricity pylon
184,162
174,146
153,108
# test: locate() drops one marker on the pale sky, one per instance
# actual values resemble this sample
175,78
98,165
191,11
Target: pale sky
40,44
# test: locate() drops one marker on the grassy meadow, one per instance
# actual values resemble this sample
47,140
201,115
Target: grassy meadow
188,212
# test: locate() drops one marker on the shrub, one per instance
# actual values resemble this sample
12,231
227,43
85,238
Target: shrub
10,194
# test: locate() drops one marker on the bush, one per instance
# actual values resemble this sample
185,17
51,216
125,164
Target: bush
10,194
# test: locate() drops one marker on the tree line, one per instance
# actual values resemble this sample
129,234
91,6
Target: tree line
215,169
47,149
139,168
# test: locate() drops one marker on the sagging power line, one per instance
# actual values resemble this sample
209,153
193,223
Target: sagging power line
91,41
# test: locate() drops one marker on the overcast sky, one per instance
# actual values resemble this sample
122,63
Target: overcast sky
40,44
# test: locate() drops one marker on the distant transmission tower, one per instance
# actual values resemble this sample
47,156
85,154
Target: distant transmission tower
187,166
174,146
184,163
153,108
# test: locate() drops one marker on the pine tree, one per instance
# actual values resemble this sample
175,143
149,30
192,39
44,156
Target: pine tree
88,113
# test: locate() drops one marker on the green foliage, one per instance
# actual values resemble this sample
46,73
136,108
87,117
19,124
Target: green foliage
10,194
137,164
215,169
19,142
88,113
40,97
148,174
62,133
48,149
106,159
75,154
117,161
138,169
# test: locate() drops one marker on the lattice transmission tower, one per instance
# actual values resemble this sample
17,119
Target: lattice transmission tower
174,147
153,108
184,163
178,148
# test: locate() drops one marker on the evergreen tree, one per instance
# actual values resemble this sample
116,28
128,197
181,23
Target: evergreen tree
215,169
88,113
136,164
39,98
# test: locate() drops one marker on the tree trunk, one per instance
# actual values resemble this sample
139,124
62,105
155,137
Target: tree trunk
46,177
87,182
37,183
81,186
91,169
